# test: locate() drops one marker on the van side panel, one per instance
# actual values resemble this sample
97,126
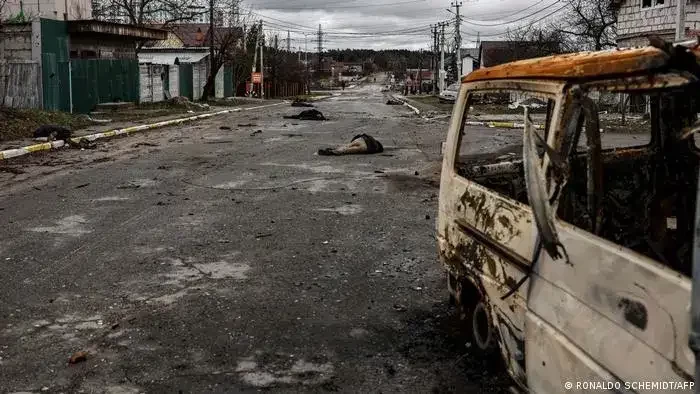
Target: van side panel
554,360
617,306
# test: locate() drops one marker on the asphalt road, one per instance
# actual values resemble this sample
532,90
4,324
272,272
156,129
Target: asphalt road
201,259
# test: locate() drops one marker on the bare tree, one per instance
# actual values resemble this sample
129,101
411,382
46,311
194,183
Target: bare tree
537,40
590,24
227,41
147,12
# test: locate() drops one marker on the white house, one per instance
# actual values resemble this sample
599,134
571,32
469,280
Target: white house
639,19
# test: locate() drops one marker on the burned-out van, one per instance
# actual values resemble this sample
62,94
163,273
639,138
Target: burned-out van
569,246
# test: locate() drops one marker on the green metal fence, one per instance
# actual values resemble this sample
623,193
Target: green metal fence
228,81
186,88
103,80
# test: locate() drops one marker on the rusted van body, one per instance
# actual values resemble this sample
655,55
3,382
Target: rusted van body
571,257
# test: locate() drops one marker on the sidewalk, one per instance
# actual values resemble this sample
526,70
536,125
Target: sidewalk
29,145
104,127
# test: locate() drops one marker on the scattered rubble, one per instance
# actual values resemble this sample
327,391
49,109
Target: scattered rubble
394,102
309,114
247,125
185,102
301,103
255,132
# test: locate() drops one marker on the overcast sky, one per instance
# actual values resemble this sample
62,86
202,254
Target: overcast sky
375,23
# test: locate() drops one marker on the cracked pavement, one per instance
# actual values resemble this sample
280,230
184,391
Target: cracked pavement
203,259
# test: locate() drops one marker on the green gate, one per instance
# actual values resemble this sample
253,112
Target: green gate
186,88
54,65
102,81
228,81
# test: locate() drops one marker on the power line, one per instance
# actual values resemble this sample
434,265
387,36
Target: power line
513,21
522,27
500,17
346,6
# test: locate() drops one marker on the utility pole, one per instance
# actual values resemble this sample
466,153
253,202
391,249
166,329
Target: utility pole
255,60
458,38
262,65
680,20
289,42
320,46
212,63
442,57
434,63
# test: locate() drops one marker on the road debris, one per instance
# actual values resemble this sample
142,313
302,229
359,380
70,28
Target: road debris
255,132
224,128
400,308
136,145
247,125
78,357
394,102
360,144
309,114
82,186
301,103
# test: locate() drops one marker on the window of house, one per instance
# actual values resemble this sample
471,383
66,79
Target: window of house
652,3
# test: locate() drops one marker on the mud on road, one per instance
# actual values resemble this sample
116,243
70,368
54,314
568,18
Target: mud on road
208,258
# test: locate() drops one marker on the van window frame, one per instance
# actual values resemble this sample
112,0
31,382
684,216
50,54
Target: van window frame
554,90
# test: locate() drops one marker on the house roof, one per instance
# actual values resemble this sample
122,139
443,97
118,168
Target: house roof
193,34
472,52
92,26
171,57
583,65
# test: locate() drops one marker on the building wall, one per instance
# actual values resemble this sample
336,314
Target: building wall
151,83
199,77
219,84
19,84
16,42
87,47
50,9
635,24
174,81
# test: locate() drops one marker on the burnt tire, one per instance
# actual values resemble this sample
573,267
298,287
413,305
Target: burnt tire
483,331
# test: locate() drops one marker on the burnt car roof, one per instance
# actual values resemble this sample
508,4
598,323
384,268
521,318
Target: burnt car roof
577,66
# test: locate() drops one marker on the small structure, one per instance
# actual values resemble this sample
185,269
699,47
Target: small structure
186,49
70,65
173,72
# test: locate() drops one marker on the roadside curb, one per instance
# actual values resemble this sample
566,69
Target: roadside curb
405,102
25,150
501,125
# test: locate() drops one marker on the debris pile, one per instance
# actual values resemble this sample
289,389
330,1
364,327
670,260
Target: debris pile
181,101
394,102
301,103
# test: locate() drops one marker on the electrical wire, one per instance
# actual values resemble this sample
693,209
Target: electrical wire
518,28
509,22
500,12
347,6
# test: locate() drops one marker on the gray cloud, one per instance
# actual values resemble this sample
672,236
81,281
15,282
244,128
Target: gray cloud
394,23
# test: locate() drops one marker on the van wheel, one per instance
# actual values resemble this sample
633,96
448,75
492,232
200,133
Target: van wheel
482,328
